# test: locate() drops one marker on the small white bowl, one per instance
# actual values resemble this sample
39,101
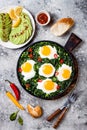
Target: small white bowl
43,12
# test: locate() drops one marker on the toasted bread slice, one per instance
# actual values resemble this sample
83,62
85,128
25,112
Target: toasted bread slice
62,26
34,111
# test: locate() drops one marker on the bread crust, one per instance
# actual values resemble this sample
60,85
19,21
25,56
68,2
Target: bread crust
34,111
62,26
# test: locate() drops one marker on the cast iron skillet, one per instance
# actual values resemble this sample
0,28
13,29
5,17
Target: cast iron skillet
72,42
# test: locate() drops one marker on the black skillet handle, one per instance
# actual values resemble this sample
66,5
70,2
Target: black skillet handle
72,42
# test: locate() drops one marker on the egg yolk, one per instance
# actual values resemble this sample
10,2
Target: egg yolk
26,67
49,85
66,74
45,50
47,69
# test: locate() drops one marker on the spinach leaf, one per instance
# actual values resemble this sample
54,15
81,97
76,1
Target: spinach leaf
13,116
20,120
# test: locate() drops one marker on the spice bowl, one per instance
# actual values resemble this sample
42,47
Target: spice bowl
43,18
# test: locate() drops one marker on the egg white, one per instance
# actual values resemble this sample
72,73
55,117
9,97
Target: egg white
60,71
31,74
41,87
46,75
51,55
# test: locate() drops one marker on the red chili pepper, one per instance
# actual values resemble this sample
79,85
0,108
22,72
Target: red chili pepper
31,56
58,87
55,56
39,59
19,70
27,86
30,50
56,73
15,89
61,61
39,80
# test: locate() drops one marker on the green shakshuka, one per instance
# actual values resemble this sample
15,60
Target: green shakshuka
45,69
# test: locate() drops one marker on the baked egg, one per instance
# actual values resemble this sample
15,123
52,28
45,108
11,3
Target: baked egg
47,86
47,51
47,70
28,69
64,72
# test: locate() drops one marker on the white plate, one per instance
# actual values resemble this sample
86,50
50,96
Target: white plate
10,44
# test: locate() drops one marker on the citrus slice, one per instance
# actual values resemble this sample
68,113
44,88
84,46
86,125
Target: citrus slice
16,22
18,10
12,14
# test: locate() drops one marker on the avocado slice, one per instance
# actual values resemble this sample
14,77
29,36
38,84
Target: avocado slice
21,33
5,26
17,36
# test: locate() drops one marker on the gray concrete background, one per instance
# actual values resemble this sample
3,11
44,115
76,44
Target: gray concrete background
76,118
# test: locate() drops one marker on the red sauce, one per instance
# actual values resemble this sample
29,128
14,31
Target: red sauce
42,18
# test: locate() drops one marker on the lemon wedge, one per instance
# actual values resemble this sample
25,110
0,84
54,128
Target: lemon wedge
18,10
12,14
16,22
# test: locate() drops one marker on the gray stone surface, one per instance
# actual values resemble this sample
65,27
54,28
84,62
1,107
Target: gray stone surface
76,118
